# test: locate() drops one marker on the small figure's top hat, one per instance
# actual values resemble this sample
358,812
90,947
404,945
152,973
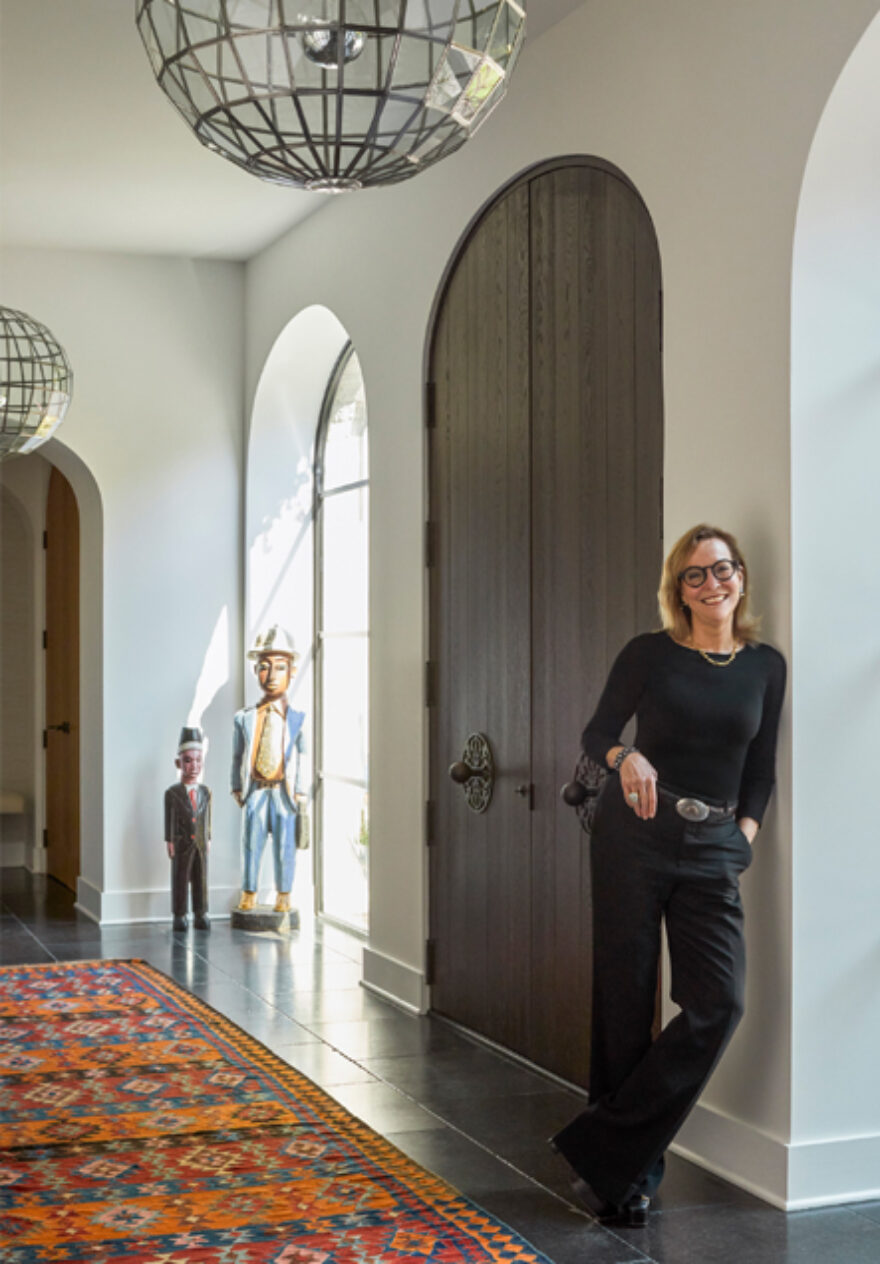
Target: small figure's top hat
273,641
190,739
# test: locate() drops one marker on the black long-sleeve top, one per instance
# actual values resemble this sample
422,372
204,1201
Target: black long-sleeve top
709,731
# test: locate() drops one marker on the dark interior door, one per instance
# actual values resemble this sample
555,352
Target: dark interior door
545,487
62,681
480,632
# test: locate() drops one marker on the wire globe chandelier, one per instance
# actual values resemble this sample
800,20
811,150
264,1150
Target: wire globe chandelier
333,94
36,383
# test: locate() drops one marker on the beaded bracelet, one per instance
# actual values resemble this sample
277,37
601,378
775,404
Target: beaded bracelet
621,756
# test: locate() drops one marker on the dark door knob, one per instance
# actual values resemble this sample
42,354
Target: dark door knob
523,790
460,772
574,793
64,727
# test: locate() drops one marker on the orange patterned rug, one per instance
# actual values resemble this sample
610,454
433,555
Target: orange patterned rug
137,1124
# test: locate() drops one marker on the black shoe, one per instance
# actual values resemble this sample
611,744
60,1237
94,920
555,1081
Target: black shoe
633,1213
202,923
180,923
601,1209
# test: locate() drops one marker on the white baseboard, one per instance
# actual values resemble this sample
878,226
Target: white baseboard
88,899
395,981
119,908
839,1170
736,1151
790,1176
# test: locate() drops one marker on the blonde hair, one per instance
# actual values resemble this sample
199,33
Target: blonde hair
675,615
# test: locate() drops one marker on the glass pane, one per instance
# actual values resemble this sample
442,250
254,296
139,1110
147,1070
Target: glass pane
343,624
344,715
346,836
345,536
345,456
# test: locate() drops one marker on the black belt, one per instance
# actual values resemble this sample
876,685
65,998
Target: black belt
692,809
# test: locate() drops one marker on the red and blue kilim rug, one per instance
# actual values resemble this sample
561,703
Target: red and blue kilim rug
137,1124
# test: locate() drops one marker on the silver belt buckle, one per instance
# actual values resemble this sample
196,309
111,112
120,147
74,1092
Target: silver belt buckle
692,809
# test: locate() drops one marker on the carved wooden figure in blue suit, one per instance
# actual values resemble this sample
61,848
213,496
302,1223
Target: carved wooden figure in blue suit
267,748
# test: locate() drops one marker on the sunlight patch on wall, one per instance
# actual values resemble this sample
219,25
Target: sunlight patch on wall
215,670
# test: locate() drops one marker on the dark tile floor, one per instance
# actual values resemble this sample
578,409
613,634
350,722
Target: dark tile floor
472,1116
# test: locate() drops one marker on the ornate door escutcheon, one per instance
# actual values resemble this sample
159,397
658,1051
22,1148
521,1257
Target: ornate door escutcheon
475,772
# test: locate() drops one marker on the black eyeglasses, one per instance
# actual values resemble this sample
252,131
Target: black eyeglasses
696,576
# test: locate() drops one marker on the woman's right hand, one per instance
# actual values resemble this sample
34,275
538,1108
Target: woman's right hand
638,781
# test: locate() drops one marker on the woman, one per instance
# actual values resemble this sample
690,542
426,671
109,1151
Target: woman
670,838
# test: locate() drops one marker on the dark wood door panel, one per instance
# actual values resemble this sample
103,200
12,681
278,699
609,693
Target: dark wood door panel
480,625
590,550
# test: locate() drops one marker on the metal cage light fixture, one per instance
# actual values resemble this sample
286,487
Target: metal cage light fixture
36,383
333,94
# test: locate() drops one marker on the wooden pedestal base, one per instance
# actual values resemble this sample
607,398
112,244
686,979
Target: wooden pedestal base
264,917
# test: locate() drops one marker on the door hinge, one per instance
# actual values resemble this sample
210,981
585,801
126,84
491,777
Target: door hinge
430,550
45,838
430,961
45,539
45,739
430,684
45,638
429,823
430,405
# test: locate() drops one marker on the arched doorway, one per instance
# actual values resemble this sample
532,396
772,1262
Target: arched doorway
310,395
75,540
545,459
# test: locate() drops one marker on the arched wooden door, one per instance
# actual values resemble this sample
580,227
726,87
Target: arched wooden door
545,457
61,733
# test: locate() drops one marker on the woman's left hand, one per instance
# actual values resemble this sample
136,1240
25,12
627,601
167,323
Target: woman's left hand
749,827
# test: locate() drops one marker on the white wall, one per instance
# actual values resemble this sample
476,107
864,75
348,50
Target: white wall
836,695
710,108
156,422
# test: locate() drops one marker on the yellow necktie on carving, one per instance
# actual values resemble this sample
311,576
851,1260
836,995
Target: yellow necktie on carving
269,752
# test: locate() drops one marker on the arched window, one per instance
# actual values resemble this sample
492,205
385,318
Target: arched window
342,495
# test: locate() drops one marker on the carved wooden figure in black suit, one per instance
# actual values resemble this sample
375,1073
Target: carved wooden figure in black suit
188,833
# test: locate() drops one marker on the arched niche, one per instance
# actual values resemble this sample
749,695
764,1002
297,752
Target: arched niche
279,504
835,688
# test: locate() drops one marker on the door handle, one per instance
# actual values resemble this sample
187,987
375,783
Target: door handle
63,727
574,793
475,772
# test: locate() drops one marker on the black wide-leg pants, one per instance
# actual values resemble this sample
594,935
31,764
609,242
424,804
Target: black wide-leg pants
645,872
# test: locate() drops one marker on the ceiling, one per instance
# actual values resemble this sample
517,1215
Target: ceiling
93,157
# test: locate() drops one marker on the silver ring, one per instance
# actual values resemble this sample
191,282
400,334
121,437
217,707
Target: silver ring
633,796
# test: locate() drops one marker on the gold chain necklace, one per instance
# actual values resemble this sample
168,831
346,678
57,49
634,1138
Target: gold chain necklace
716,662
